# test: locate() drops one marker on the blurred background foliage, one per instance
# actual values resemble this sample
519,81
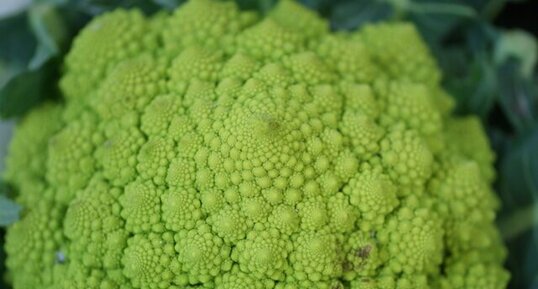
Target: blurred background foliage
486,48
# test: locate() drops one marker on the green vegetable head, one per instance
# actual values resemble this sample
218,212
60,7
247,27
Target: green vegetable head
216,148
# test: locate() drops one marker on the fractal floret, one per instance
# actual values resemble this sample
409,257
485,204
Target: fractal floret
216,148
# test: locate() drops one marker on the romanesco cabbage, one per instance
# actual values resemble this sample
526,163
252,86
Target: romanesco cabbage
214,148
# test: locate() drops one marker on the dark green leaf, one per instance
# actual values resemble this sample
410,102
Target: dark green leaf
480,37
434,28
25,90
454,8
31,40
95,7
352,14
491,8
17,42
262,6
472,84
518,96
168,4
518,175
518,188
315,4
531,264
50,32
436,20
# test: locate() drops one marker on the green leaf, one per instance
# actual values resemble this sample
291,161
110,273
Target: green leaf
351,14
518,96
17,42
436,20
9,211
518,184
479,37
25,90
32,40
455,8
491,8
434,28
168,4
95,7
262,6
471,82
49,29
520,45
518,221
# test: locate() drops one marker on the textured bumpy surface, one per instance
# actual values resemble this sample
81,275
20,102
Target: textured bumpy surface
216,148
